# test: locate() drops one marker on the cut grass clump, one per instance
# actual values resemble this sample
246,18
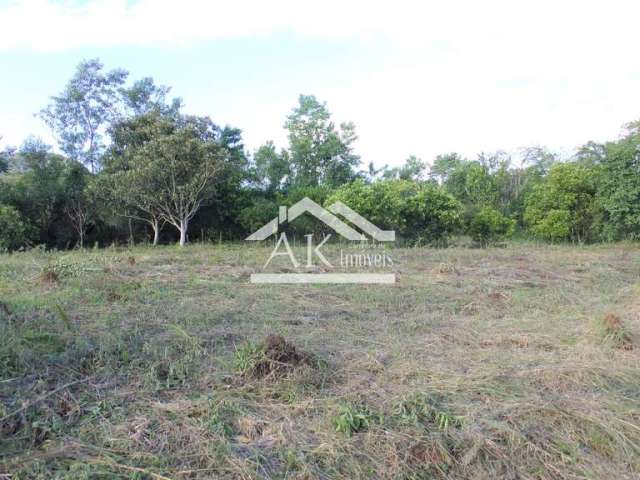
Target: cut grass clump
128,372
614,331
274,357
176,363
221,417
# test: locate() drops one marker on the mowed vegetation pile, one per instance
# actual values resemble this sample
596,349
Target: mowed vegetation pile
518,362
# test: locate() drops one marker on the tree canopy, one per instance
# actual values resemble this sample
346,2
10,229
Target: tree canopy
129,161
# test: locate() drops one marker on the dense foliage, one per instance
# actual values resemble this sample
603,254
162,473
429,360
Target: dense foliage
421,212
13,229
488,226
563,206
134,168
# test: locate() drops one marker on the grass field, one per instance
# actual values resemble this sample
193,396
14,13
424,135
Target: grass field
515,363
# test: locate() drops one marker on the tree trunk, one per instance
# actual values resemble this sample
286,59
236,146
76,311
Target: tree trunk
130,232
156,232
183,232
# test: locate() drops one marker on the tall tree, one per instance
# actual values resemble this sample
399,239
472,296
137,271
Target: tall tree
413,169
591,153
563,206
444,165
4,159
80,115
320,153
172,164
79,201
41,186
272,167
124,189
144,96
619,186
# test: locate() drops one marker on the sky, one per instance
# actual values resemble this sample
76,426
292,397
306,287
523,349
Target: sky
416,77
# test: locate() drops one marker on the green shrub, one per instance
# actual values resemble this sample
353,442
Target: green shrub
619,187
563,206
554,226
13,229
489,226
418,212
256,215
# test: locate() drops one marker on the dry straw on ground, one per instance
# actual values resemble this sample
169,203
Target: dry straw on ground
512,363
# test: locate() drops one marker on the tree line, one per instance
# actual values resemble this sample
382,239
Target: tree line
134,168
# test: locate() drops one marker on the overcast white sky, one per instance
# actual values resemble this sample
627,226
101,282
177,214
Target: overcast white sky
416,77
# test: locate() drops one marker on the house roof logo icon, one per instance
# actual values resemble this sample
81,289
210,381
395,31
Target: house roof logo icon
330,218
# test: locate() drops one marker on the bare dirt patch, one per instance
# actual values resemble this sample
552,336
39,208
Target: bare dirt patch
280,358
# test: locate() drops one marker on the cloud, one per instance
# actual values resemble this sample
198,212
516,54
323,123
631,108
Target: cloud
468,76
57,25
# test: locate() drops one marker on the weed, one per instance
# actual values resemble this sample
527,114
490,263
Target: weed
354,417
161,402
62,268
62,314
221,417
248,356
420,409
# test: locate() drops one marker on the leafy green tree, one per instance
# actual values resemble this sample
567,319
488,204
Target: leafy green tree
320,153
40,189
222,209
5,156
563,206
80,115
619,186
418,212
591,154
125,194
79,204
261,211
472,184
120,185
413,169
13,229
144,96
174,168
489,226
273,169
444,165
539,158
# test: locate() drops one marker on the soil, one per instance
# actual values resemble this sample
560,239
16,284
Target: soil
280,357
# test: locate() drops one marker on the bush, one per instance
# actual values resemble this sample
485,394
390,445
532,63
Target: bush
418,212
13,229
256,215
619,189
305,224
489,226
563,206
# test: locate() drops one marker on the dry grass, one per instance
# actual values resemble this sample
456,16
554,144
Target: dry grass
497,363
